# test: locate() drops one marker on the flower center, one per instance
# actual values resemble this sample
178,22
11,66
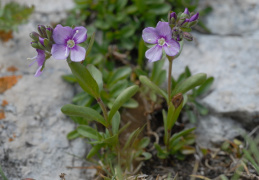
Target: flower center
161,41
71,43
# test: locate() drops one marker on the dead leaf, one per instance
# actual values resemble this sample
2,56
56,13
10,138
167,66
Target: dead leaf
7,82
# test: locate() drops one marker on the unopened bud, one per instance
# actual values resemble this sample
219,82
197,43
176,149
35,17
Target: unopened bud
43,30
177,100
35,45
186,11
49,33
194,17
47,44
193,23
187,36
173,16
41,46
35,36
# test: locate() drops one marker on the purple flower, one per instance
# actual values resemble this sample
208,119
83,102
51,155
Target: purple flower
40,58
66,40
161,36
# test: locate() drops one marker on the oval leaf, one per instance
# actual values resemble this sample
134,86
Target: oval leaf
121,99
189,83
153,86
80,111
85,79
88,132
97,75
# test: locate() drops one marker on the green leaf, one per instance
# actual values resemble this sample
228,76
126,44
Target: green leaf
189,83
132,138
94,150
87,131
144,142
180,134
141,52
151,85
69,78
119,74
2,173
85,79
202,109
80,111
89,47
116,123
72,135
205,86
131,103
121,99
111,140
146,155
162,154
97,75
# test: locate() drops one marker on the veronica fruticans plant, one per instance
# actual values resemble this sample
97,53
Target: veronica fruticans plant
167,39
66,43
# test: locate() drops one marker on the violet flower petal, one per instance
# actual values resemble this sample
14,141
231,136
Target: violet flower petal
61,34
79,36
38,72
59,52
172,47
154,53
77,53
150,35
164,30
41,57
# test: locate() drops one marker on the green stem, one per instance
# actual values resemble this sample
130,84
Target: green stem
169,88
105,114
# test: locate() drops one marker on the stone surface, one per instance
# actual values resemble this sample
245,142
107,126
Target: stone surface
231,60
232,17
33,133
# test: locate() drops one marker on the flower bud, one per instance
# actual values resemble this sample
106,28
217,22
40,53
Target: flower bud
35,45
40,31
194,17
177,100
35,36
186,11
41,40
187,36
43,30
185,22
193,23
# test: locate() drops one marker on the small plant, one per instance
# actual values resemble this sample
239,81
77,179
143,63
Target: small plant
107,92
167,40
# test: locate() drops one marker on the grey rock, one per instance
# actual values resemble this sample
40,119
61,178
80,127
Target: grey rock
212,131
234,17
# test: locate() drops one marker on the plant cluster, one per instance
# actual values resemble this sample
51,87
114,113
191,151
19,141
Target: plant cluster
108,92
